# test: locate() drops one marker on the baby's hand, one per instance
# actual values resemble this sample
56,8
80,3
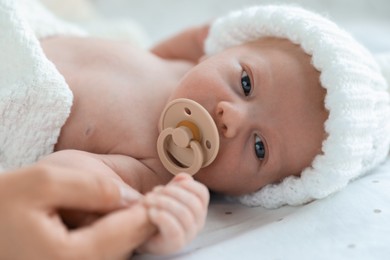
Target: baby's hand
179,211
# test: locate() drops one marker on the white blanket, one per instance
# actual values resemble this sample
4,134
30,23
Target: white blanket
34,97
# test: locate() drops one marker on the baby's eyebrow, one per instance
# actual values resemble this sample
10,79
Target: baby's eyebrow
275,145
261,73
275,150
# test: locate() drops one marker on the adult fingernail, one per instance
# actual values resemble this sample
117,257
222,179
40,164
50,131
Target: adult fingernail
157,189
128,194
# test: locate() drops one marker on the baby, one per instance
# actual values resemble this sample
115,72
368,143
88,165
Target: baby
260,82
242,88
300,107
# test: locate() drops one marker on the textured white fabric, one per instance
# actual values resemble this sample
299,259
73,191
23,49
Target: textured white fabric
34,97
383,60
358,126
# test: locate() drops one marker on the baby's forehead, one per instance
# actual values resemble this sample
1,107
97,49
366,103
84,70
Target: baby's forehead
274,43
272,49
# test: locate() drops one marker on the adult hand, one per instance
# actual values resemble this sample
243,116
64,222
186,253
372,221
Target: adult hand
31,226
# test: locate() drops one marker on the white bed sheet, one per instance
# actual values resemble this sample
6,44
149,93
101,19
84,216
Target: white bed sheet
352,224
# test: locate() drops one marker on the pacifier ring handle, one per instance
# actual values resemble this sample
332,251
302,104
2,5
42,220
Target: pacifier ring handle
166,158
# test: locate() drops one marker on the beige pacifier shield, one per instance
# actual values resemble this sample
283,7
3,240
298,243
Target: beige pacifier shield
186,128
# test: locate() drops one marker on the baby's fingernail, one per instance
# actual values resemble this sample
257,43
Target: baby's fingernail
182,176
148,199
153,213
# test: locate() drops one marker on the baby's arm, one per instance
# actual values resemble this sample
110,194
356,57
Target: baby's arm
178,210
186,45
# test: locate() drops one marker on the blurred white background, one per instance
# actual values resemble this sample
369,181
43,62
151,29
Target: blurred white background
367,20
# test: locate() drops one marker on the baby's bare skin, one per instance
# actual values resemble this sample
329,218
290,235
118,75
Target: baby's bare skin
108,86
119,93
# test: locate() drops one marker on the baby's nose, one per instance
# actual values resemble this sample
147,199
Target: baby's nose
230,119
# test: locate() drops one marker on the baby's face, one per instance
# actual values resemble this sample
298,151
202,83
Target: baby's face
267,103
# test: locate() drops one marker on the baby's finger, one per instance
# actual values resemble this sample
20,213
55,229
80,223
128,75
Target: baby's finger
187,182
169,230
186,199
181,212
192,193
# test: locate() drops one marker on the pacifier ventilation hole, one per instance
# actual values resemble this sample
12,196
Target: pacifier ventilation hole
187,111
208,144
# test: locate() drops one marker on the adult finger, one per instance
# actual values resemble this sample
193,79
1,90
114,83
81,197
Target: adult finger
73,189
116,234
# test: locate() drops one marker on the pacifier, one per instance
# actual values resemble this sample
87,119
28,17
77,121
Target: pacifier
188,139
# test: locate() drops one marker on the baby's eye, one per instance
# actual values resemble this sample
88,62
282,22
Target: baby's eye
246,83
259,148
